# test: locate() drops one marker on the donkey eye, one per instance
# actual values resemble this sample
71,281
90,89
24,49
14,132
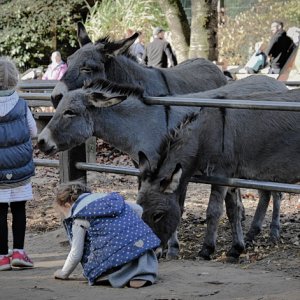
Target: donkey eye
85,70
69,113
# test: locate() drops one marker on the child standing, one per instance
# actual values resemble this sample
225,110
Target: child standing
17,126
108,237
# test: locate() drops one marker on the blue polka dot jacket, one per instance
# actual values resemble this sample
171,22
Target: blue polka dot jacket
116,235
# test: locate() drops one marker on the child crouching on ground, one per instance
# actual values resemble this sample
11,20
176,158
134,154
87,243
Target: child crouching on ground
108,237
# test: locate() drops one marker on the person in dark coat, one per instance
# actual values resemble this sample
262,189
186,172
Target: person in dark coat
159,53
280,48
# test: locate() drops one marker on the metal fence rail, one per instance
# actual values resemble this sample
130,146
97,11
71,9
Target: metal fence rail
228,103
236,182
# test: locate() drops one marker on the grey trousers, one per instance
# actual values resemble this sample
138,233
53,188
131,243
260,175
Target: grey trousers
143,268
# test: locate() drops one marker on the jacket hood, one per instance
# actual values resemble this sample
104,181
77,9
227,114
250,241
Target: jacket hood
98,205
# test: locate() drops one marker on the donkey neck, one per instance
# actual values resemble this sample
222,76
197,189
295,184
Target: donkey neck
131,127
124,70
183,148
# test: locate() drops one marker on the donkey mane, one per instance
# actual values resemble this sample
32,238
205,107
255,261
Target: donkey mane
173,139
114,88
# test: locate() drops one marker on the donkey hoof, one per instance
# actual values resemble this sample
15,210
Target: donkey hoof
172,256
274,235
251,234
232,260
274,238
173,253
206,252
159,252
234,253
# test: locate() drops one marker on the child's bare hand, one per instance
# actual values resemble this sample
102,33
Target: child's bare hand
60,275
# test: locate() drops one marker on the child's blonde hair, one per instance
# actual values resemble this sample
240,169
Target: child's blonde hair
9,74
69,192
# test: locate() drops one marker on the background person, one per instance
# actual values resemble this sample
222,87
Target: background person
17,126
279,49
159,53
138,48
56,69
258,60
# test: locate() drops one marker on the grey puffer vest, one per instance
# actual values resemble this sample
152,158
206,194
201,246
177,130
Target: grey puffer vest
16,163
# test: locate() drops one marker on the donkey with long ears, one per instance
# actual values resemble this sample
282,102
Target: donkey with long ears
130,126
111,60
250,144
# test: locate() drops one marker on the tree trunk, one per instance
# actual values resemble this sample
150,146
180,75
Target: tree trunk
54,35
204,28
179,27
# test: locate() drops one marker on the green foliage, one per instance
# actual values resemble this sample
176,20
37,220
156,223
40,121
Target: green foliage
114,17
31,29
239,35
235,7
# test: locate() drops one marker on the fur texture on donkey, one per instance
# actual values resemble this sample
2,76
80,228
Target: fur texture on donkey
250,144
131,125
110,60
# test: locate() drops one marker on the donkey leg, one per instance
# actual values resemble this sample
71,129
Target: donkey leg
261,209
213,214
275,224
235,209
173,242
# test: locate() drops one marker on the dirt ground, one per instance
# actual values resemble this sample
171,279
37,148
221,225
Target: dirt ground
265,271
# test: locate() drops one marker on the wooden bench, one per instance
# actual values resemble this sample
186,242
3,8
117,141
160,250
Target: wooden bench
37,94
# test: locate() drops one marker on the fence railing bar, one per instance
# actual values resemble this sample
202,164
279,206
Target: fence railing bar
42,162
37,84
292,83
229,103
50,84
35,96
233,182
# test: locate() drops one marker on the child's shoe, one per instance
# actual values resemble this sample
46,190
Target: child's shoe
5,263
21,260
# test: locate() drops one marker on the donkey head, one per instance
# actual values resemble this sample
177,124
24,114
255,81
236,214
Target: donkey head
73,121
89,61
159,196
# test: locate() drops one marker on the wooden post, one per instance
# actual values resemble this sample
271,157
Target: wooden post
91,150
67,160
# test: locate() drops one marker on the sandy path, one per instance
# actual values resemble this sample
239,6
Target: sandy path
181,279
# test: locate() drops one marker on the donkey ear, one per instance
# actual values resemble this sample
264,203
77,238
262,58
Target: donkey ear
119,47
98,99
170,185
82,35
144,163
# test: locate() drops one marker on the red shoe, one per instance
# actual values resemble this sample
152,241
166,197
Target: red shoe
21,260
5,263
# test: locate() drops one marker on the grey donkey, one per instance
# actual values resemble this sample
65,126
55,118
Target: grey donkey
250,144
129,126
111,60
